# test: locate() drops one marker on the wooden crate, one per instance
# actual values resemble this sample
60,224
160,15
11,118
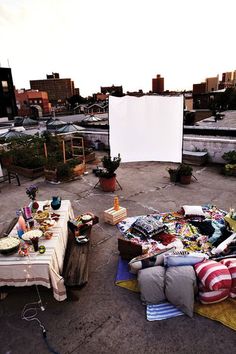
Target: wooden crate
112,216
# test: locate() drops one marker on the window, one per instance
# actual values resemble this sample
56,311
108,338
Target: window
5,86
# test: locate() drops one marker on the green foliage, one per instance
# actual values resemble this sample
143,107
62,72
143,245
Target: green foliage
110,165
64,171
230,156
185,170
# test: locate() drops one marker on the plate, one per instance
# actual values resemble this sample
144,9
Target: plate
32,233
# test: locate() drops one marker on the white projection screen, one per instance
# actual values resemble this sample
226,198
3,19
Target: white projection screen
147,128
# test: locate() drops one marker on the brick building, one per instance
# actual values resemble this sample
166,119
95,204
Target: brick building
29,102
158,84
58,89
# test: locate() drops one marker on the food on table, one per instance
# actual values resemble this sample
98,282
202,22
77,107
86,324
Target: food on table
27,236
48,235
41,215
7,243
86,217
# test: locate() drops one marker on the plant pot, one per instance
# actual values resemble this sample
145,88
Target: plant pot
185,179
174,176
108,184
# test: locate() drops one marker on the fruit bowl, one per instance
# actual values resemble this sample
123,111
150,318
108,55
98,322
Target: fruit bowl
40,216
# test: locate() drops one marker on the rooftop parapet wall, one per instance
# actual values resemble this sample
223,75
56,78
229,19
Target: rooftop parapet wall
215,147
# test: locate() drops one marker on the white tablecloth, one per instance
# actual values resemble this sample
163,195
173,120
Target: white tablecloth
41,269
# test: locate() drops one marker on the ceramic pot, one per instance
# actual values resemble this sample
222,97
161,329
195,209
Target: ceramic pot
56,203
185,179
108,184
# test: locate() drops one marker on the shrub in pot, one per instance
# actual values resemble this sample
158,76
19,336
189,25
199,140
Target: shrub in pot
185,173
107,175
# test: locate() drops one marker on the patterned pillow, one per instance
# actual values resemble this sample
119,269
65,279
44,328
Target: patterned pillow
232,293
148,226
230,263
212,297
213,275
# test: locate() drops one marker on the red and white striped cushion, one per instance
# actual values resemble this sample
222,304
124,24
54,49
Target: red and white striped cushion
233,293
213,275
212,297
230,263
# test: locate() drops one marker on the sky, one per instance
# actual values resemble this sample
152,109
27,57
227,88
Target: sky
122,42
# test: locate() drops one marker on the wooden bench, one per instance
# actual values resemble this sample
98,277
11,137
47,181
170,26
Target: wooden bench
76,261
197,158
9,176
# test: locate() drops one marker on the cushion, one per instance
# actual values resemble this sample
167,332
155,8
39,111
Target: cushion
148,260
233,293
173,260
213,275
212,297
180,287
193,210
148,226
230,263
151,284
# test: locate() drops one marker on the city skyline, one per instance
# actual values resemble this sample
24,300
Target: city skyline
122,43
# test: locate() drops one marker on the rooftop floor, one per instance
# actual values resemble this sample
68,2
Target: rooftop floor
109,318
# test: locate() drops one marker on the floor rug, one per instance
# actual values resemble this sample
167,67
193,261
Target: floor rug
223,312
124,278
162,311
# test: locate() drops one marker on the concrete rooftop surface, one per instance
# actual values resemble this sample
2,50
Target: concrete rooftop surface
108,318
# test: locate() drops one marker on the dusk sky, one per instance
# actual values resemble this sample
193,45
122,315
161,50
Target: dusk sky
127,42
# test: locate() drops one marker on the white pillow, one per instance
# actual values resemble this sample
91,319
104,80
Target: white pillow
193,210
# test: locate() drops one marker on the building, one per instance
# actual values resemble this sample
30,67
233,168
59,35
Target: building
32,103
58,89
227,80
212,83
112,90
199,88
8,106
158,84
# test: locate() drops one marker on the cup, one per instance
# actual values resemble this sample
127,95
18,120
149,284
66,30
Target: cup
35,243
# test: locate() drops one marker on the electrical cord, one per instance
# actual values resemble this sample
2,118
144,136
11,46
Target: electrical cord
29,313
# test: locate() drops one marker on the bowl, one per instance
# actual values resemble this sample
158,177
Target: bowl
9,245
32,233
40,216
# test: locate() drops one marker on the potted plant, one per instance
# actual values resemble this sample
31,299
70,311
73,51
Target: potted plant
174,174
230,166
107,175
185,173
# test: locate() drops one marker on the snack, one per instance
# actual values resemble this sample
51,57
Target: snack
32,233
48,235
40,216
7,243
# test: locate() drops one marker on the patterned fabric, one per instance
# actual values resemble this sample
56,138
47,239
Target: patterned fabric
212,297
148,226
213,275
230,263
187,235
162,311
